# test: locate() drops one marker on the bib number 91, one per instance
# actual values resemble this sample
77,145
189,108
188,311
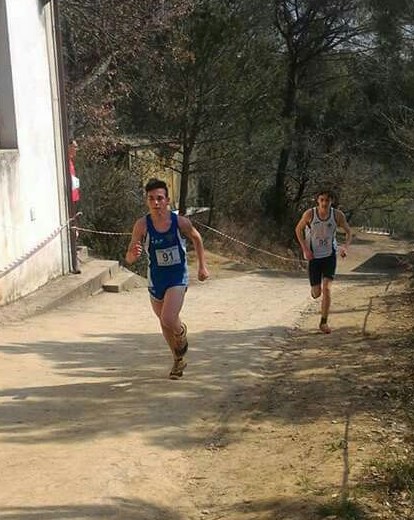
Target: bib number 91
168,256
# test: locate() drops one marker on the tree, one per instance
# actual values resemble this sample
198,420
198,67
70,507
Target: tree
178,79
311,31
263,100
101,38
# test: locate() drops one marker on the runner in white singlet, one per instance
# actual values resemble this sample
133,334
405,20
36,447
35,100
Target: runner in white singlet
316,233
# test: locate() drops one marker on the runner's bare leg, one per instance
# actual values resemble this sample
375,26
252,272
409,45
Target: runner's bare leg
168,312
325,305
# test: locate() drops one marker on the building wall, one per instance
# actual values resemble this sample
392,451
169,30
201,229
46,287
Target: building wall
32,200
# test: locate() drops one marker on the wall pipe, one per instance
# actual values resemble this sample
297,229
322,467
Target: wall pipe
65,132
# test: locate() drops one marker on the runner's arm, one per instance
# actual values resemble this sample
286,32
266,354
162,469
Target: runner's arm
300,233
342,223
191,232
135,247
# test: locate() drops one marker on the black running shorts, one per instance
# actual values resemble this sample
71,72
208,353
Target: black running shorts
319,268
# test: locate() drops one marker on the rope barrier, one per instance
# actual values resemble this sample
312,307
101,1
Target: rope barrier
88,230
280,257
19,261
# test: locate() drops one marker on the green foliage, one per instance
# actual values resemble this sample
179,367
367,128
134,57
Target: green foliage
111,201
100,40
261,101
388,205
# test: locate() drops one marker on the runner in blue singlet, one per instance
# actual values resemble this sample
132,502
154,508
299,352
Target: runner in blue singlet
167,262
161,233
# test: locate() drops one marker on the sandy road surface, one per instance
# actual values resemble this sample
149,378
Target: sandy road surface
90,426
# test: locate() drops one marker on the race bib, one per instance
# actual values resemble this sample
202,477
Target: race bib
168,256
322,242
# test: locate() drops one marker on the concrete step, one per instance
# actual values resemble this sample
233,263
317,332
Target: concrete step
94,273
124,280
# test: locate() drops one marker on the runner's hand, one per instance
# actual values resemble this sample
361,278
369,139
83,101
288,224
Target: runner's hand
136,250
307,253
343,251
203,274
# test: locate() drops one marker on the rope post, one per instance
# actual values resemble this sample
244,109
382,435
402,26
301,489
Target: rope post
74,248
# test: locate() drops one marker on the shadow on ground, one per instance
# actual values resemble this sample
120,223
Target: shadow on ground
291,508
120,381
383,263
121,384
119,508
378,266
287,508
113,384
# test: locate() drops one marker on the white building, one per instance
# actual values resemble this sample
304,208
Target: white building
33,167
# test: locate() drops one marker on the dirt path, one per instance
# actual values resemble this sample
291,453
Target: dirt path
90,427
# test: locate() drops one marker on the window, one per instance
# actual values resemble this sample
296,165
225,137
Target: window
8,131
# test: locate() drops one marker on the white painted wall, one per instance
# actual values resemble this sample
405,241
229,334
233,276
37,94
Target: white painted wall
31,177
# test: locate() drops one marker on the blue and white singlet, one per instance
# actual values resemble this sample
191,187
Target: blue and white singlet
167,261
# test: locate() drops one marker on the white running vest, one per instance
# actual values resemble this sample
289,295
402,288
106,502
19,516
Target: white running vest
321,234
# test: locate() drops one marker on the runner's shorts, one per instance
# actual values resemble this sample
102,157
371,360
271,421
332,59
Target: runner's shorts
160,281
319,268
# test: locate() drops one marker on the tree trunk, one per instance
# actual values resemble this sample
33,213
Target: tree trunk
302,165
185,172
279,203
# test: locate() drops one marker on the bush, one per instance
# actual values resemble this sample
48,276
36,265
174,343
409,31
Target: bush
111,200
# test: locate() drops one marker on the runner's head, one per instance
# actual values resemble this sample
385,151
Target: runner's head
324,199
155,184
157,196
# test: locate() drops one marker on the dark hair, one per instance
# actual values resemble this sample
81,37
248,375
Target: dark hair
155,184
328,192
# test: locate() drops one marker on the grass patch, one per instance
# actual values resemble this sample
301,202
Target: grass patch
391,477
398,475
